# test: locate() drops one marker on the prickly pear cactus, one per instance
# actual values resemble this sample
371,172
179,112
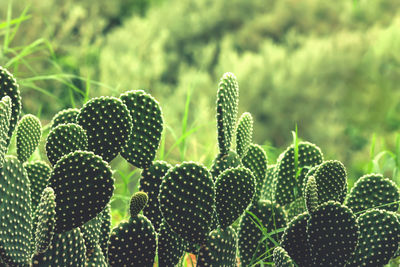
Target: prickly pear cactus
64,139
46,219
223,162
9,87
220,249
138,202
267,190
234,190
15,213
373,191
187,200
108,125
29,131
105,229
91,233
332,234
97,258
38,174
282,258
379,238
170,246
311,195
295,208
272,217
150,182
244,134
147,121
83,186
64,116
66,249
5,115
227,107
287,182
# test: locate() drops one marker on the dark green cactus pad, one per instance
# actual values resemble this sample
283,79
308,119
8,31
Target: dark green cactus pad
311,194
29,131
132,243
227,107
138,202
286,185
66,249
220,249
244,134
170,246
373,191
64,139
15,213
147,122
108,125
5,115
267,191
282,258
332,234
223,162
272,217
91,233
256,160
105,229
331,179
187,200
46,220
65,116
83,185
97,258
234,190
379,238
9,87
38,174
294,240
295,208
150,182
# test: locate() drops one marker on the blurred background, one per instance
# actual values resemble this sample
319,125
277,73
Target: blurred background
331,67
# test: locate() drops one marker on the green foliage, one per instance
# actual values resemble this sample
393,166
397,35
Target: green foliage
63,139
138,202
46,219
282,258
29,132
64,116
83,186
311,195
244,134
5,114
38,173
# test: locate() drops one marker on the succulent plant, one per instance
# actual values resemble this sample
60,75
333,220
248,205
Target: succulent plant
311,195
64,117
5,115
170,246
97,258
282,258
105,229
223,162
244,134
46,219
29,131
38,173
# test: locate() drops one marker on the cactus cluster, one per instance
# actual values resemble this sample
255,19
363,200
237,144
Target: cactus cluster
240,211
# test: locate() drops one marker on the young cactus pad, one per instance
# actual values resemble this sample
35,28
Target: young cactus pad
138,202
9,87
234,190
91,232
187,200
38,174
227,107
108,125
64,139
256,160
15,213
29,131
65,116
5,115
282,258
46,213
150,182
97,258
105,229
147,122
223,162
311,194
373,191
170,246
83,185
244,134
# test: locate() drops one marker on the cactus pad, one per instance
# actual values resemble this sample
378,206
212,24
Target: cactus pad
105,229
220,249
64,116
379,238
29,131
373,191
83,185
234,190
5,115
170,246
244,134
256,160
267,190
9,87
150,182
38,174
227,107
66,249
287,184
108,125
311,194
223,162
46,213
132,243
97,258
187,200
64,139
272,217
282,258
91,233
332,234
138,202
147,123
295,208
15,213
